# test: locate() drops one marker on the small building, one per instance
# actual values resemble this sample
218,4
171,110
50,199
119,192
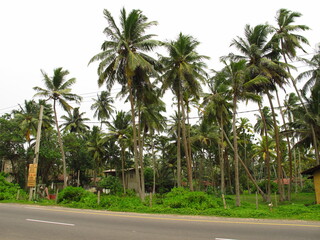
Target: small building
129,176
315,174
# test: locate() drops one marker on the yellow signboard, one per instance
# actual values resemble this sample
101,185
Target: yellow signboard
32,176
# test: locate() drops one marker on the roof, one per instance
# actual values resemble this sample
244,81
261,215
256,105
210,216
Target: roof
310,171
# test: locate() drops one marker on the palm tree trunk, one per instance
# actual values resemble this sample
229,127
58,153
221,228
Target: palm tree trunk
278,150
154,169
288,145
246,169
223,188
135,147
141,143
179,146
235,153
122,169
185,144
267,159
61,147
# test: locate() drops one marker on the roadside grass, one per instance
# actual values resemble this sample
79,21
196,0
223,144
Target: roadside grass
181,201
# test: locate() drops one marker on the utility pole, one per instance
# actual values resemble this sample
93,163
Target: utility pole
35,160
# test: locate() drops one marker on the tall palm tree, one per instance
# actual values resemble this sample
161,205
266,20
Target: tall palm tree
289,42
216,109
263,65
183,71
75,122
58,88
123,59
102,106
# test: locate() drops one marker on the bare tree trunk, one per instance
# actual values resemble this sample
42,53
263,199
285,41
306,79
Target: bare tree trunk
267,160
288,145
221,148
141,143
246,169
135,147
61,147
179,147
235,154
278,150
185,144
122,169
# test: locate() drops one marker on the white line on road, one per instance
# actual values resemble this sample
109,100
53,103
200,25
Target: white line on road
224,239
58,223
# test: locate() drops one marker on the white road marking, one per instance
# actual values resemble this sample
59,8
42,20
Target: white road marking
224,239
58,223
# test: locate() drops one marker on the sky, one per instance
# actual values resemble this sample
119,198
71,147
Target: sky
43,34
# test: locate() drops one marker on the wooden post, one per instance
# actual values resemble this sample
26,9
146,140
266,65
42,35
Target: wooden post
257,202
57,194
18,194
150,197
99,197
224,202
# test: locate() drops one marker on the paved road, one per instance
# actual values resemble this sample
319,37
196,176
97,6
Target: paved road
26,222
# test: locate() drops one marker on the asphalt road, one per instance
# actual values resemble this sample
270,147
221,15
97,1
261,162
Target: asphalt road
26,222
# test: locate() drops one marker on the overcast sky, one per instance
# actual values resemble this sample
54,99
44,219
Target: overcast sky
42,34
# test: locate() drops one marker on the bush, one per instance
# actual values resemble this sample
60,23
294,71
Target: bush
263,186
308,186
112,183
8,191
71,194
183,198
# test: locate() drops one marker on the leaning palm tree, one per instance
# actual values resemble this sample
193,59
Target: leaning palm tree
123,59
58,89
184,69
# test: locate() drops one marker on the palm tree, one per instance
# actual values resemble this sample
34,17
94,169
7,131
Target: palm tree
183,70
216,108
102,106
58,89
97,149
289,41
263,66
120,129
123,59
75,122
28,119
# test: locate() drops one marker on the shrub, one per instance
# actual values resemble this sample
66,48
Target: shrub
71,194
8,191
183,198
112,183
308,186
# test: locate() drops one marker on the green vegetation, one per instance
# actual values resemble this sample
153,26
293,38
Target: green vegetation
183,201
219,154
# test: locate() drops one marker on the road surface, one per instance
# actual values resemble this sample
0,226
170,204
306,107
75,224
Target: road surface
26,222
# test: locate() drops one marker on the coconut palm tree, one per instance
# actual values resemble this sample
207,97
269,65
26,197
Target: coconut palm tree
216,109
263,65
120,129
123,59
58,88
102,106
75,122
184,69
